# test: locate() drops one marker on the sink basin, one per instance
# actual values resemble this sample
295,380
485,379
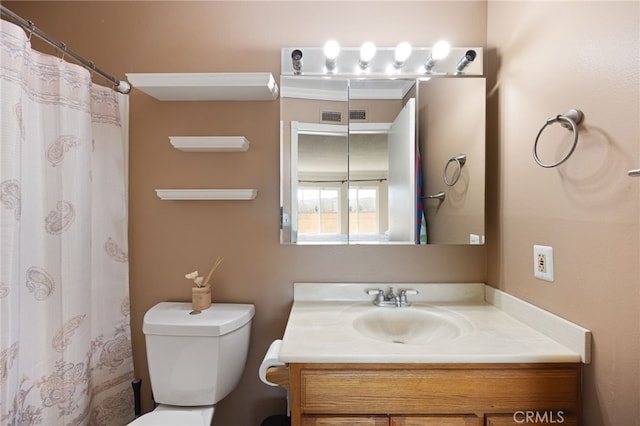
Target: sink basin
409,326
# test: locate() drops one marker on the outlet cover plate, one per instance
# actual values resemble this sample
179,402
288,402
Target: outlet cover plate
543,262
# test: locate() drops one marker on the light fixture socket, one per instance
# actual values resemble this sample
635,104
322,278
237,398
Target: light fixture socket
296,61
428,66
468,57
330,64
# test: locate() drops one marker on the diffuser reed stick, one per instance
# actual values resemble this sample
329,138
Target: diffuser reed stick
217,263
198,280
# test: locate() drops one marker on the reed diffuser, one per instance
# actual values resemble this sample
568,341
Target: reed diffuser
201,292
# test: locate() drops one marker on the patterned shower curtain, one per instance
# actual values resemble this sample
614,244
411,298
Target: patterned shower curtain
65,345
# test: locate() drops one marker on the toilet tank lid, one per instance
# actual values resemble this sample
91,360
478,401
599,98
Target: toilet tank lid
174,319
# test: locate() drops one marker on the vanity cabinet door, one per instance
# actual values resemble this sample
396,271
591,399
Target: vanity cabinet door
436,421
345,421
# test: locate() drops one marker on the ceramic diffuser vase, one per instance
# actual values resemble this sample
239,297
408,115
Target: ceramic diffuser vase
201,292
201,297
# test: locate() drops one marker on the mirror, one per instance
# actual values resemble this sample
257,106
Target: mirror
358,155
452,122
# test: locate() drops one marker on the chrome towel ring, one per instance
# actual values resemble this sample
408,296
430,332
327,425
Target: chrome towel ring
459,160
569,120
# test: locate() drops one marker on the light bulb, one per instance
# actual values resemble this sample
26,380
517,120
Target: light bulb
402,52
440,50
331,49
331,52
367,52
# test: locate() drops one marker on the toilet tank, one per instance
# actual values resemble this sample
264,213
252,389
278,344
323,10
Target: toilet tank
196,359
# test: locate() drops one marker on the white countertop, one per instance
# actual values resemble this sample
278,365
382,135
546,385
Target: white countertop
320,327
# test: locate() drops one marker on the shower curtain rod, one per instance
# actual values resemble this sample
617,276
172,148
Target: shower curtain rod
120,86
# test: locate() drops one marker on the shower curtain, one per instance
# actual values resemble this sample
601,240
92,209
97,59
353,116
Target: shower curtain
65,345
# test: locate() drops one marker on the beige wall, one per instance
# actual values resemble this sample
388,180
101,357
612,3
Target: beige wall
551,57
169,239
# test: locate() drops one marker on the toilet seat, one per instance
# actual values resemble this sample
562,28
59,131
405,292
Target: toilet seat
176,416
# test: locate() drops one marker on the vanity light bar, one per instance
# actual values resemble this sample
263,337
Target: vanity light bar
312,61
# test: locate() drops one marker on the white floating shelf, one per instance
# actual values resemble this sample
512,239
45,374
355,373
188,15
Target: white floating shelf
207,194
210,143
206,86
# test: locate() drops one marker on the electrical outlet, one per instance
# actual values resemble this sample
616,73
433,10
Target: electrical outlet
543,262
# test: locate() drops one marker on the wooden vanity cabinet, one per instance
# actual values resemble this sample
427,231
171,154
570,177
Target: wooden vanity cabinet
391,421
433,394
436,421
344,421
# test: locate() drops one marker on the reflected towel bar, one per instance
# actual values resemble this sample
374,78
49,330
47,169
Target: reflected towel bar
440,196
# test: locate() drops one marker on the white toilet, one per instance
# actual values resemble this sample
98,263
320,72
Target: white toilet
194,360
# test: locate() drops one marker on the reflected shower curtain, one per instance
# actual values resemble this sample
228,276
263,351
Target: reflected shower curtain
65,345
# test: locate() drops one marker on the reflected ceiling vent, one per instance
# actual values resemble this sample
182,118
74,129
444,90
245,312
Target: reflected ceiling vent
330,117
358,115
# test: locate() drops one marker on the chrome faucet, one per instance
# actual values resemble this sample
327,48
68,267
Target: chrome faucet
391,299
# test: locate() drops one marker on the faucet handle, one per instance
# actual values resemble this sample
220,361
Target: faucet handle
403,296
378,293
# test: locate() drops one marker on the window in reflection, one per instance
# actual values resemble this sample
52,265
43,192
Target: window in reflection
363,210
318,211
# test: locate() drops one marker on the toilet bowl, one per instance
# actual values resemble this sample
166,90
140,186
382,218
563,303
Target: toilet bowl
194,360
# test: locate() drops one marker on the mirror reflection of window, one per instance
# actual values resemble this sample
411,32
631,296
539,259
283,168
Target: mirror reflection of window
318,211
321,179
363,210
